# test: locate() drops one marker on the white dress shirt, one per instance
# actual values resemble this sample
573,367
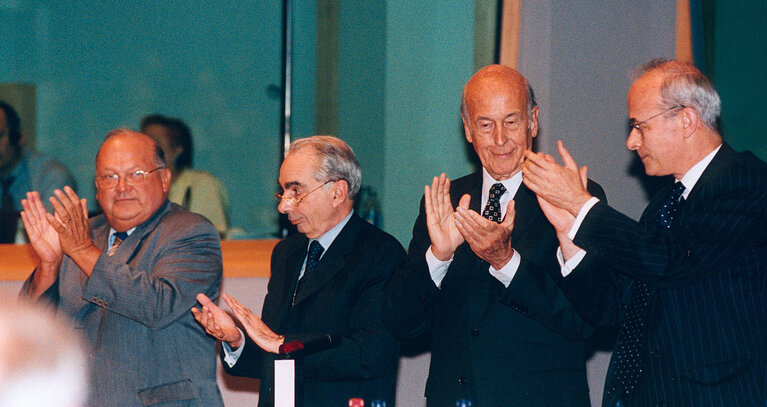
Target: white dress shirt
438,268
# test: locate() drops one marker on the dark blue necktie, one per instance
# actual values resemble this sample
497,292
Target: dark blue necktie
312,258
628,348
493,206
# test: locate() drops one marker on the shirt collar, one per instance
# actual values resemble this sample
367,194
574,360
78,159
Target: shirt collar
113,232
512,184
328,237
692,175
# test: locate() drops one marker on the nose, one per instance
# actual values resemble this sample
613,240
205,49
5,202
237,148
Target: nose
634,141
122,184
283,206
498,136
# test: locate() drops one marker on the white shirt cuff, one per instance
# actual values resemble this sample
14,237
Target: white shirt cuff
581,215
507,272
231,356
437,267
567,267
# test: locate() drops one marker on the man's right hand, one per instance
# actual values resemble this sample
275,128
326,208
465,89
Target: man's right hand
217,322
42,236
440,219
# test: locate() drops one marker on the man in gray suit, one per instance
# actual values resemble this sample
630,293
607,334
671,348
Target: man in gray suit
127,278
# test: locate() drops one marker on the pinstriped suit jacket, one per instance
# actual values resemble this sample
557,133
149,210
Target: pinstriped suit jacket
706,339
341,296
145,348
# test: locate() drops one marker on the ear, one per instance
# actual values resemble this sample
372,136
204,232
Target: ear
466,129
689,120
533,125
340,192
165,179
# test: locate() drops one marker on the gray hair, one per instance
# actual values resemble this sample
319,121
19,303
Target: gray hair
683,84
337,161
159,155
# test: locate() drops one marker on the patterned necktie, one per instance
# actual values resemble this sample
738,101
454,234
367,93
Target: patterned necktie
628,348
493,207
8,214
312,258
119,237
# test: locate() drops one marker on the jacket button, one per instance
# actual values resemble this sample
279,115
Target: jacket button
475,333
462,381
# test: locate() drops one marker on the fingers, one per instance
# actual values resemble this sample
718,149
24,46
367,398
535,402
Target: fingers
204,300
464,202
567,159
584,173
508,220
84,203
66,205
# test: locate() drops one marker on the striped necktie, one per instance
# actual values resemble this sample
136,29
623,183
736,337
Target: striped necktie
119,237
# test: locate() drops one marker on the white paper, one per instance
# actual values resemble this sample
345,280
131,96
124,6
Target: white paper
285,383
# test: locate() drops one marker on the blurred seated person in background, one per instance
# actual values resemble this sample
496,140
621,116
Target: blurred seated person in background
198,191
42,361
326,288
22,170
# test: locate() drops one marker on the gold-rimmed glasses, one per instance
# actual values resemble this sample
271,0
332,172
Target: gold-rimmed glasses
633,124
297,200
137,177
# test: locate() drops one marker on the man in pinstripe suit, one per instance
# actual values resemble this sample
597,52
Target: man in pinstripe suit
698,337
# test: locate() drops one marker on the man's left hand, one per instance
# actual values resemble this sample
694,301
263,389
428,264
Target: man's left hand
564,186
70,220
257,330
490,241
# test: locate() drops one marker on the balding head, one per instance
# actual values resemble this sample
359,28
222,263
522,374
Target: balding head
673,110
500,118
142,179
493,74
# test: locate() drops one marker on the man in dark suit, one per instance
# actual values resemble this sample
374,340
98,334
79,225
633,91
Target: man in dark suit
502,333
128,277
326,282
688,282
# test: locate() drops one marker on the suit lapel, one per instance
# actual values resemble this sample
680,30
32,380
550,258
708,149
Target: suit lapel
333,261
128,248
711,173
291,268
527,213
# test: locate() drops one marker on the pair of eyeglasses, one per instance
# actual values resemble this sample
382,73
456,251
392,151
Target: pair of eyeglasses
293,200
131,178
633,124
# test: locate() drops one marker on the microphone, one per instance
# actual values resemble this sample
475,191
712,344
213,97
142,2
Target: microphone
309,346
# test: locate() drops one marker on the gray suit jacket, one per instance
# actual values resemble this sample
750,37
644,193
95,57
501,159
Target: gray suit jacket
145,347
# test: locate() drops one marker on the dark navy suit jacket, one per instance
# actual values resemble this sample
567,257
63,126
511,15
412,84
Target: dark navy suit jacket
343,297
498,346
707,323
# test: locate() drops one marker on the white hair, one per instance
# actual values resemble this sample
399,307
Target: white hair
42,362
